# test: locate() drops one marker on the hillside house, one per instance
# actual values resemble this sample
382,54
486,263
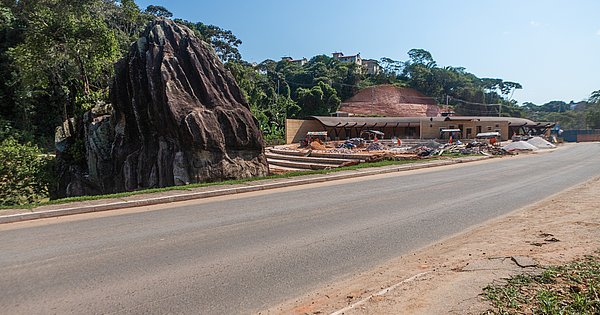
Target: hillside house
371,66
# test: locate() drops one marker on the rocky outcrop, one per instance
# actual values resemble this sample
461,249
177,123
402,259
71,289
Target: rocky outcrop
177,117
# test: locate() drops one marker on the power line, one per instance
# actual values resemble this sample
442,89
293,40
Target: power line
439,100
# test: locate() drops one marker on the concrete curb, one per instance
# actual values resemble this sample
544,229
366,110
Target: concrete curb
222,192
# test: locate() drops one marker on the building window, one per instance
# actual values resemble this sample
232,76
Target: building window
412,131
489,128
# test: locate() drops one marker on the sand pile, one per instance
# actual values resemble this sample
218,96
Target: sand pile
520,146
541,143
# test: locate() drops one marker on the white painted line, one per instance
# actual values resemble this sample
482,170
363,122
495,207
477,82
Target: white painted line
380,293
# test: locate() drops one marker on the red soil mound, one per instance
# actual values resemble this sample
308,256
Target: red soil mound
391,101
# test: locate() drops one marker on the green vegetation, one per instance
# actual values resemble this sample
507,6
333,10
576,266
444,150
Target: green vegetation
581,115
24,173
222,183
568,289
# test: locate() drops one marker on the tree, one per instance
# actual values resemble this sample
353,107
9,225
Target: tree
319,100
158,11
508,87
10,85
64,57
595,97
592,115
224,42
391,67
268,106
23,173
421,56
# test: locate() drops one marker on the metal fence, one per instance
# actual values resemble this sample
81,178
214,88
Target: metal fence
581,135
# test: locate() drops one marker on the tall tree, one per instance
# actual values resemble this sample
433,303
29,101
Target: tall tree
592,116
64,56
159,11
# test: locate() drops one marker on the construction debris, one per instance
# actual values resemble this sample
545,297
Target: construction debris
319,154
375,146
317,145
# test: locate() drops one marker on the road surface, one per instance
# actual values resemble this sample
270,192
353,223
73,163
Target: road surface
244,253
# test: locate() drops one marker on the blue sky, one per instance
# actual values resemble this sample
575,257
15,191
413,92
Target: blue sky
551,47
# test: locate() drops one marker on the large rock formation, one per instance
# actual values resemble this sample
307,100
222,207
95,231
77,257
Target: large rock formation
178,117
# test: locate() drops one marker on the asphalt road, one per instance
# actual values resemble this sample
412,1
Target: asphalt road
244,253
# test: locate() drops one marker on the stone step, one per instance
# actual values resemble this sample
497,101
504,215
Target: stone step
276,169
362,157
310,159
287,152
301,165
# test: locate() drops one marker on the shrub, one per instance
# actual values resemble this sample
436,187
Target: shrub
25,173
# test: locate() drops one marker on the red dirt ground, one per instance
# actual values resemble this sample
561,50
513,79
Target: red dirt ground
391,101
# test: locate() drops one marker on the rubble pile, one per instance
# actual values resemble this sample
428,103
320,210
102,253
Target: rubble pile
360,150
375,146
393,150
317,145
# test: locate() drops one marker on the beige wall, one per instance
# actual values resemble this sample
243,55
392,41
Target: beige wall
431,129
296,129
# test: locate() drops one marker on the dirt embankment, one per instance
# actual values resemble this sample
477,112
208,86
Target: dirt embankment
447,277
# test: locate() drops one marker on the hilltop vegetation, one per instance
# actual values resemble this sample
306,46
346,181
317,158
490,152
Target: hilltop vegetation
581,115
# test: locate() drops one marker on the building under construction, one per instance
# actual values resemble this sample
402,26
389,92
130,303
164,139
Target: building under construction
340,128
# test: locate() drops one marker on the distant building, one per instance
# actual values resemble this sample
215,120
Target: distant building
351,59
369,65
300,62
372,66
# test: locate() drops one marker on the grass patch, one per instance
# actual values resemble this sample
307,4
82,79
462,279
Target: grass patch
227,182
569,289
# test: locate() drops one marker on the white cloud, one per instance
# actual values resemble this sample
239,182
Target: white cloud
535,23
598,33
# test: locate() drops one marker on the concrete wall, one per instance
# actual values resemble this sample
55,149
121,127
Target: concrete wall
431,129
296,129
581,135
390,132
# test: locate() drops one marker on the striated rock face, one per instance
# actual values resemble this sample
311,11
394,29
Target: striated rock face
178,117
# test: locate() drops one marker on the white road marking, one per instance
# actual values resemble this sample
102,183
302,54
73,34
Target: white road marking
380,293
